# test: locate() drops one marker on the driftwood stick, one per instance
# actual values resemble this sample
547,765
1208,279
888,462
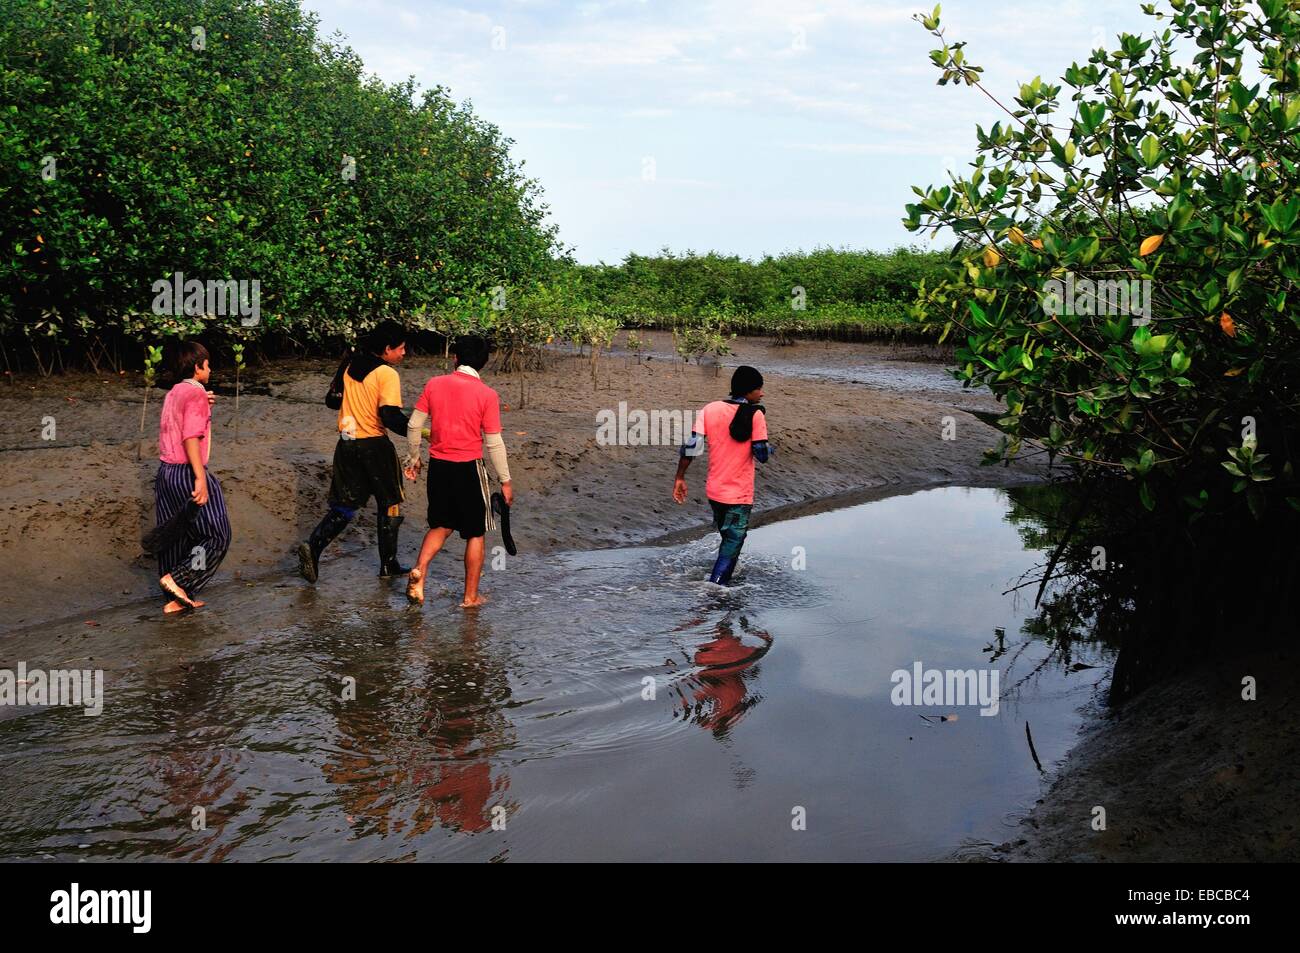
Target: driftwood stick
1029,736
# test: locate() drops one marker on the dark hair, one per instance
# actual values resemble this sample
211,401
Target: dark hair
387,334
189,355
745,380
471,350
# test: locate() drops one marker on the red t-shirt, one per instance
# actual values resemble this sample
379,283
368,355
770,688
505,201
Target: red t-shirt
461,410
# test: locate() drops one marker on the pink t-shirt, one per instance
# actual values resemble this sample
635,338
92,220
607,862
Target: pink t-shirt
461,410
185,414
731,462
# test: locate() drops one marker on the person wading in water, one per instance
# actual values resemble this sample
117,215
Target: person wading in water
367,393
736,431
187,497
464,417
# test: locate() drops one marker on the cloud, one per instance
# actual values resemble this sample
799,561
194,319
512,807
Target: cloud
720,97
543,124
733,95
895,148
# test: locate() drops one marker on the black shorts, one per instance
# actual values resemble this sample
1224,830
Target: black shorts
364,468
456,498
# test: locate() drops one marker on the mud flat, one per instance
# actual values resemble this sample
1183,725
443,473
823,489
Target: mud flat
848,421
1186,771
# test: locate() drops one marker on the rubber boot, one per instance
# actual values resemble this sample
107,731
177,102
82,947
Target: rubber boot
722,570
325,531
388,564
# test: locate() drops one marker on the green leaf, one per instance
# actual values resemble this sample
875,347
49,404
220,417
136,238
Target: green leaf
1092,115
1145,495
1234,280
1150,151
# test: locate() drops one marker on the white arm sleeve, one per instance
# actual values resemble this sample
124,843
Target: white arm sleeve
496,454
414,427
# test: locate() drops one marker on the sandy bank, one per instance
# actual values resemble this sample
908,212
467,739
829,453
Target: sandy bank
845,419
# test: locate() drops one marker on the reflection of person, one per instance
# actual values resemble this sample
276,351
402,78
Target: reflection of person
736,431
197,764
184,446
367,394
421,758
464,417
720,696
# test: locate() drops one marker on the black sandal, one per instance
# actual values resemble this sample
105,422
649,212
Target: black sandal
502,510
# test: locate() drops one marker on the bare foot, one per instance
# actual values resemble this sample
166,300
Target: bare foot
176,592
415,586
173,607
474,603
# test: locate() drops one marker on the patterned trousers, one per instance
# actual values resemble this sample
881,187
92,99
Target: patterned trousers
193,559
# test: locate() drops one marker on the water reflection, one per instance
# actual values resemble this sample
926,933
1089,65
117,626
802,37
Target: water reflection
197,764
338,724
716,696
421,757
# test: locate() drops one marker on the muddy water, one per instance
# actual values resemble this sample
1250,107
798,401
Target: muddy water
876,368
892,376
605,705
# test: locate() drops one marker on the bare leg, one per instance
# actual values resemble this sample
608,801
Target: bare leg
433,541
473,570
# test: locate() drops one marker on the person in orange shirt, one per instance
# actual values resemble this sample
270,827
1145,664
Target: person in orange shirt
367,393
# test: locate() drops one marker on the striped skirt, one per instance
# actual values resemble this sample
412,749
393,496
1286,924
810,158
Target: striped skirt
193,559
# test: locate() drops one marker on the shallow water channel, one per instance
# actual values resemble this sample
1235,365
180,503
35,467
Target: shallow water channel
604,705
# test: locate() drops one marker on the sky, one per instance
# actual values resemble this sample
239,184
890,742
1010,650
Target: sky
745,127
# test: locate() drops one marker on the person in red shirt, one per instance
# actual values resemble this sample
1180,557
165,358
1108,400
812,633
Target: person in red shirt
464,416
736,431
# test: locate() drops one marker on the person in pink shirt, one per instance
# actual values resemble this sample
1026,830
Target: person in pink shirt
464,416
736,432
190,559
